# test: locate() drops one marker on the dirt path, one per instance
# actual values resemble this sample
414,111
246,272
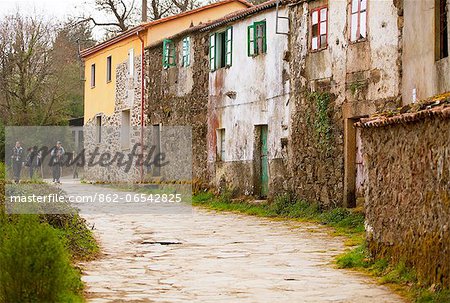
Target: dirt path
204,256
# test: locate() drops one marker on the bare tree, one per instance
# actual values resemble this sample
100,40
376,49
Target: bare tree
120,15
121,10
32,89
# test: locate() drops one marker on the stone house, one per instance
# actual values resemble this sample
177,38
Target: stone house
228,79
248,106
345,64
426,61
177,72
407,150
115,90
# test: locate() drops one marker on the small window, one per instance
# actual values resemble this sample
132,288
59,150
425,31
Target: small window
441,29
98,124
186,52
131,63
221,144
92,75
125,129
221,49
257,39
319,28
108,69
169,53
358,20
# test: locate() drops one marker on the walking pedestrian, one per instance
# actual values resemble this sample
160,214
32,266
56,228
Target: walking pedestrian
57,154
33,160
17,161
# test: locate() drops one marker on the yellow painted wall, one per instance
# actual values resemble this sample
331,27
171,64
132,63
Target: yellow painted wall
101,98
163,30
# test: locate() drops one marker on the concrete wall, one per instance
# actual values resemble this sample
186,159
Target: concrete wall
253,91
408,195
420,68
360,78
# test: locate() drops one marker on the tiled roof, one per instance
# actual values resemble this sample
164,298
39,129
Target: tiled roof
239,15
203,27
434,107
144,26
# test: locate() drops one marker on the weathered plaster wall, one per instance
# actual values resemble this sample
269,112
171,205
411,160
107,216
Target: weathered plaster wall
408,195
420,68
178,96
360,78
127,97
253,91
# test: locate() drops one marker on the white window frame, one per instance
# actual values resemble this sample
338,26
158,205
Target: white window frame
93,72
131,63
125,130
358,20
186,55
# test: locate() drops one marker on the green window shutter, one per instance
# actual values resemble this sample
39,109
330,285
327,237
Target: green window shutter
169,53
229,46
212,52
251,40
264,36
165,56
260,35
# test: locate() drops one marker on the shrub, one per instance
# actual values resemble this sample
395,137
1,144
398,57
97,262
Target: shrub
34,265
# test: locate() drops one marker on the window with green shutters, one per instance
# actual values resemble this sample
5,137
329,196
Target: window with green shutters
186,52
257,38
221,49
169,53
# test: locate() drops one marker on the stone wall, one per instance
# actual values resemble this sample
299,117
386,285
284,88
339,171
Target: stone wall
408,195
252,92
178,96
335,85
127,97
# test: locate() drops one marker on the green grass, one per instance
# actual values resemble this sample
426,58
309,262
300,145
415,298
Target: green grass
399,276
344,221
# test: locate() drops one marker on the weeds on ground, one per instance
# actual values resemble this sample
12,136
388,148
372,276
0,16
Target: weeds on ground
398,276
344,221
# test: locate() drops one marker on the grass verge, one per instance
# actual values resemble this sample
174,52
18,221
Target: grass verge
345,222
398,276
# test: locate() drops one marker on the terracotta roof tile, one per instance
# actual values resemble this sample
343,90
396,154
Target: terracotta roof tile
434,107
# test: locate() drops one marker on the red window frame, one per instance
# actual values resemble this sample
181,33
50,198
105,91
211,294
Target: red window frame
319,33
358,26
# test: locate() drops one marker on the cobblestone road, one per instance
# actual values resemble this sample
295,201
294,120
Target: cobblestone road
203,256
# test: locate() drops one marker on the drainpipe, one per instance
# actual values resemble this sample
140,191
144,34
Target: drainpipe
142,103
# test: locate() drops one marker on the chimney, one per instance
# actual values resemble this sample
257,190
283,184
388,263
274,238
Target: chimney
144,10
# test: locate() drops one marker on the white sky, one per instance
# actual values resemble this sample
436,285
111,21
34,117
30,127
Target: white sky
58,10
52,8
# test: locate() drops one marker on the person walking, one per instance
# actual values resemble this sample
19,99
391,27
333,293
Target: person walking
17,161
33,160
57,154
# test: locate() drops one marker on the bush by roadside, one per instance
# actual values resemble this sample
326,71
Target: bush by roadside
38,252
35,265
